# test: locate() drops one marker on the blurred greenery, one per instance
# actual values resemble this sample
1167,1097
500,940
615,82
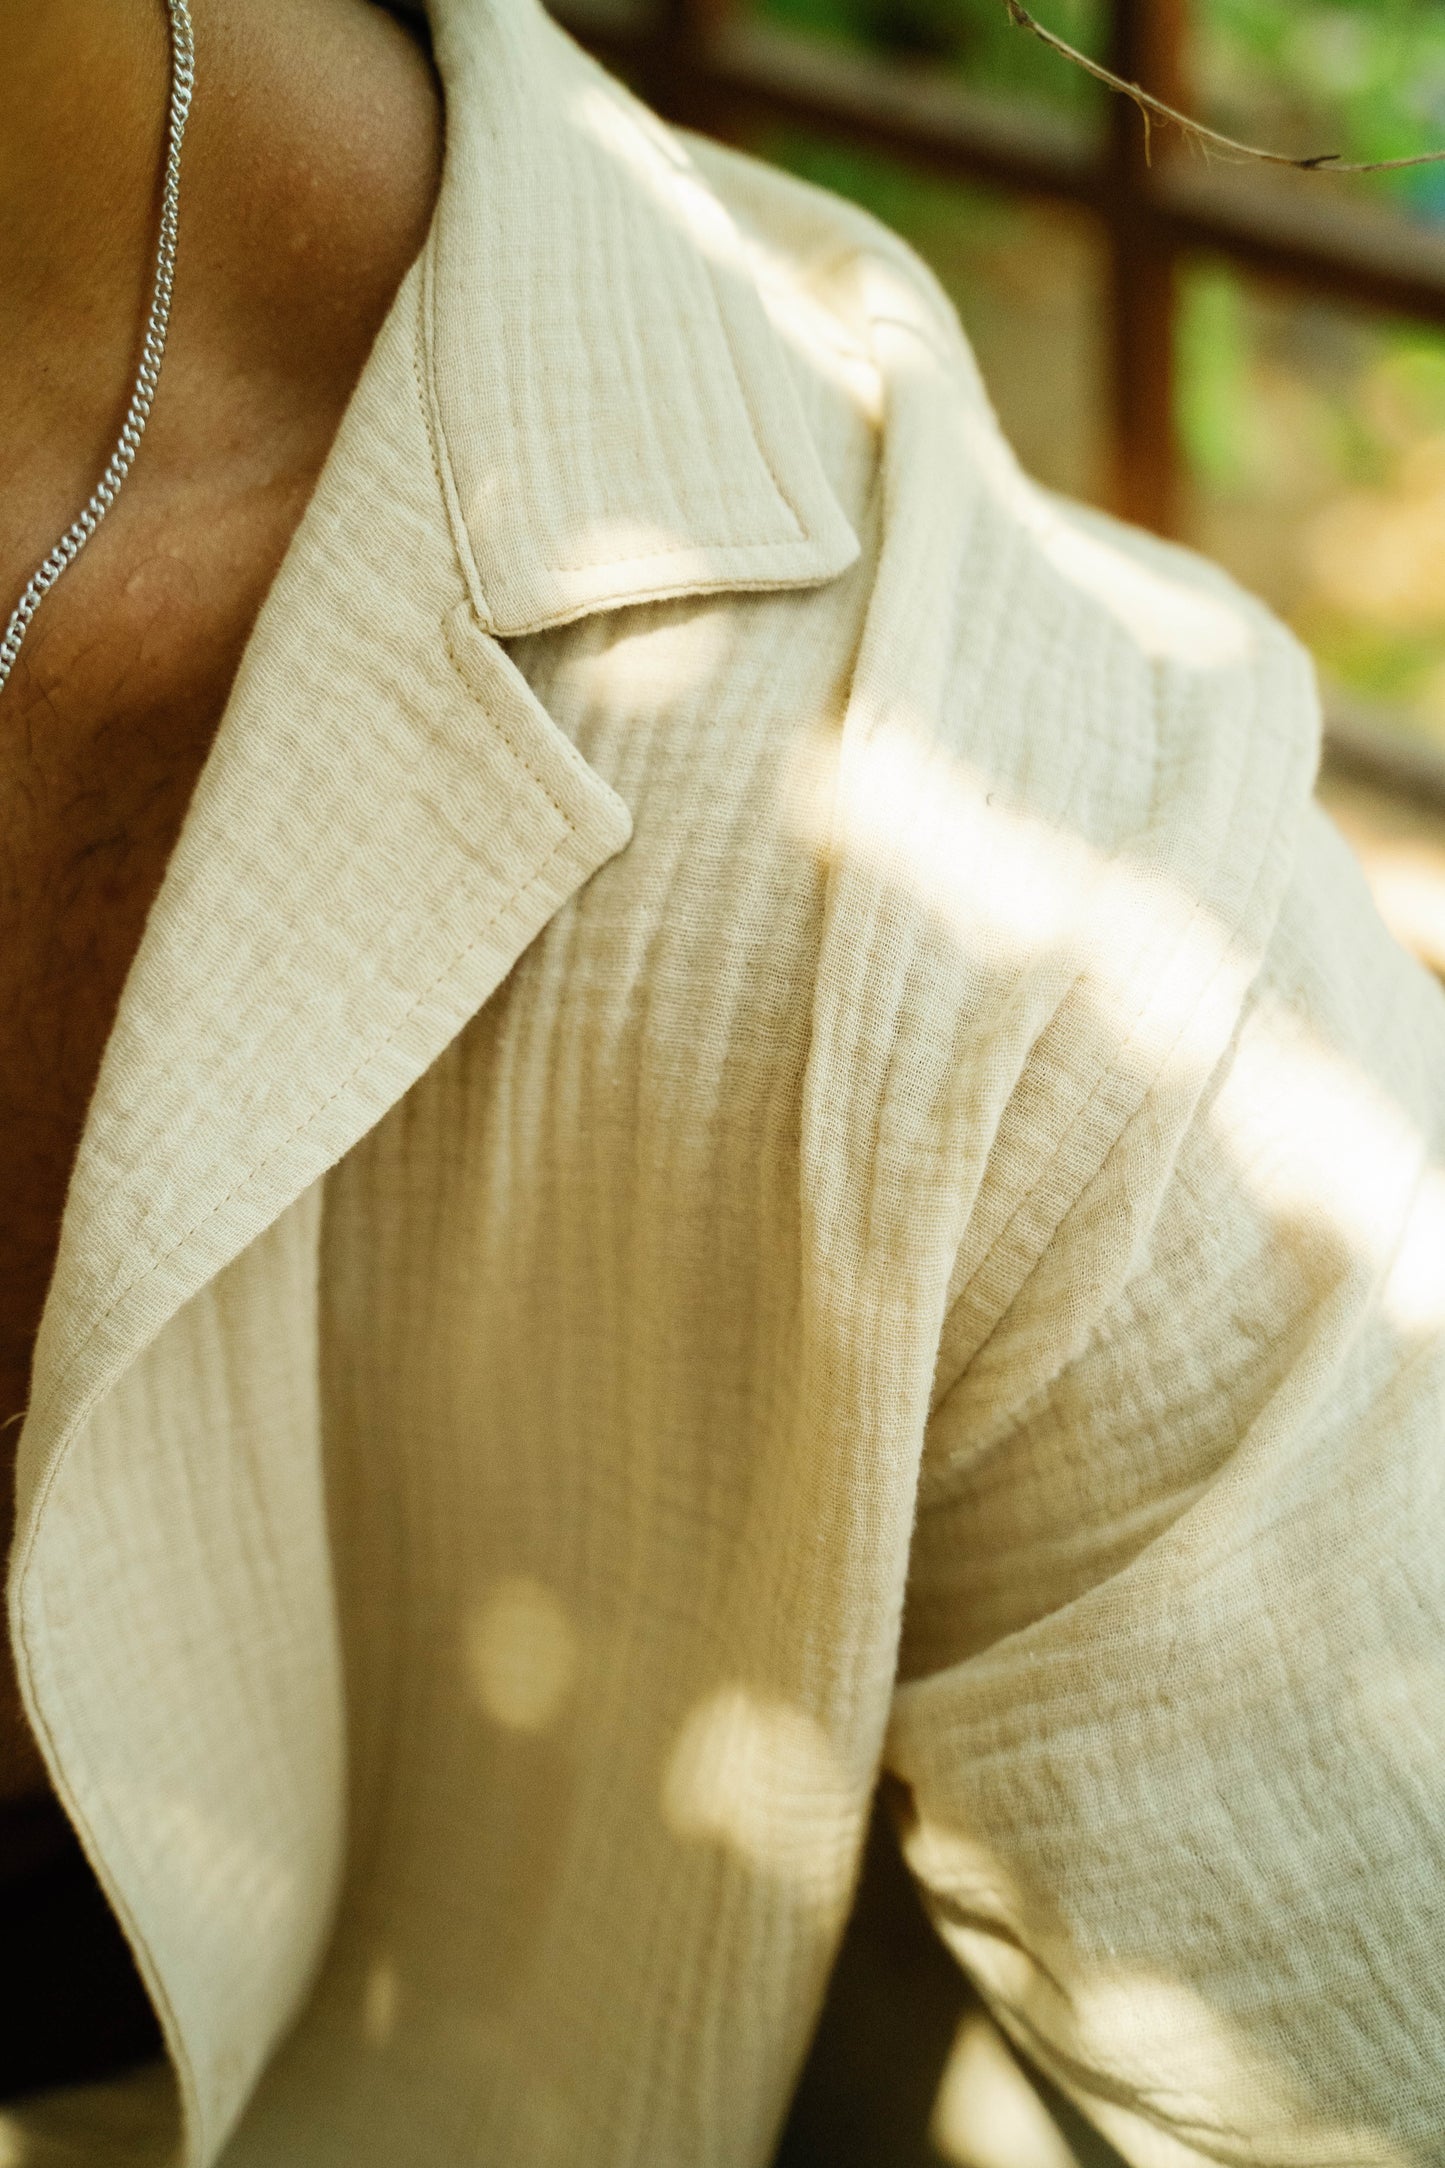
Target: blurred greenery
1365,79
1313,435
1314,440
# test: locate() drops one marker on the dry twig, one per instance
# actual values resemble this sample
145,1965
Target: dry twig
1152,109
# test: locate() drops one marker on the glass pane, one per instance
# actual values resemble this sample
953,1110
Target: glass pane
1027,280
1315,449
1365,78
973,39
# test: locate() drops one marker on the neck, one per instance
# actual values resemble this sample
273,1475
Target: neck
77,191
308,178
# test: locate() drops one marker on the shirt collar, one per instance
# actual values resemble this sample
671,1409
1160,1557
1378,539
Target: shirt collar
612,412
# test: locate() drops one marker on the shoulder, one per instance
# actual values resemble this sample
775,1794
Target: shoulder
1052,586
1073,781
1113,690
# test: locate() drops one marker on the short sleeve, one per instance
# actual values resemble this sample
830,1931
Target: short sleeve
1170,1724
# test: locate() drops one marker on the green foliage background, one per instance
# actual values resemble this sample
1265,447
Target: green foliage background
1314,437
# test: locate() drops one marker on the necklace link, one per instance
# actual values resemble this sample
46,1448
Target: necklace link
153,347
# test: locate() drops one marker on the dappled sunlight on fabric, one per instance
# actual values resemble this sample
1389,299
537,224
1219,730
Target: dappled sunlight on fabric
1168,2077
1414,1296
205,1852
816,336
813,334
1161,2041
987,2115
630,542
521,1654
631,135
662,656
1168,618
1009,887
1320,1142
635,140
1309,1132
996,878
762,1779
1200,2074
924,353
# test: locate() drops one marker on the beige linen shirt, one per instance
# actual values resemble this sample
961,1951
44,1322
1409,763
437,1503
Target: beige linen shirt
758,1136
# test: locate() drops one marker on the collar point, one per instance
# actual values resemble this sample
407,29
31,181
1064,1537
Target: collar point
554,598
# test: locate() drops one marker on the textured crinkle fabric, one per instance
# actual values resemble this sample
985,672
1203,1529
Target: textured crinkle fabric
759,1137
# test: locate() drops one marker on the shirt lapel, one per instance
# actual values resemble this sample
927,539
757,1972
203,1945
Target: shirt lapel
387,819
578,402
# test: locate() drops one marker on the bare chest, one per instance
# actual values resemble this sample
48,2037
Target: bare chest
83,854
104,729
85,845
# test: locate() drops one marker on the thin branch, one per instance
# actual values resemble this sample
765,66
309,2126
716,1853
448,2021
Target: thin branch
1152,108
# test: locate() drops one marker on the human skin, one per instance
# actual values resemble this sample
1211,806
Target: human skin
309,174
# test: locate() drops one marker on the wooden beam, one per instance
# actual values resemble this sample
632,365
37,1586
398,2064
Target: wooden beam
1144,48
903,110
1305,231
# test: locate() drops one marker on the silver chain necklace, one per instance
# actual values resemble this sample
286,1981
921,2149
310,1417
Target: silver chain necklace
75,537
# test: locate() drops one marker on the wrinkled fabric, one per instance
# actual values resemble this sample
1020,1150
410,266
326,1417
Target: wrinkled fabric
759,1136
